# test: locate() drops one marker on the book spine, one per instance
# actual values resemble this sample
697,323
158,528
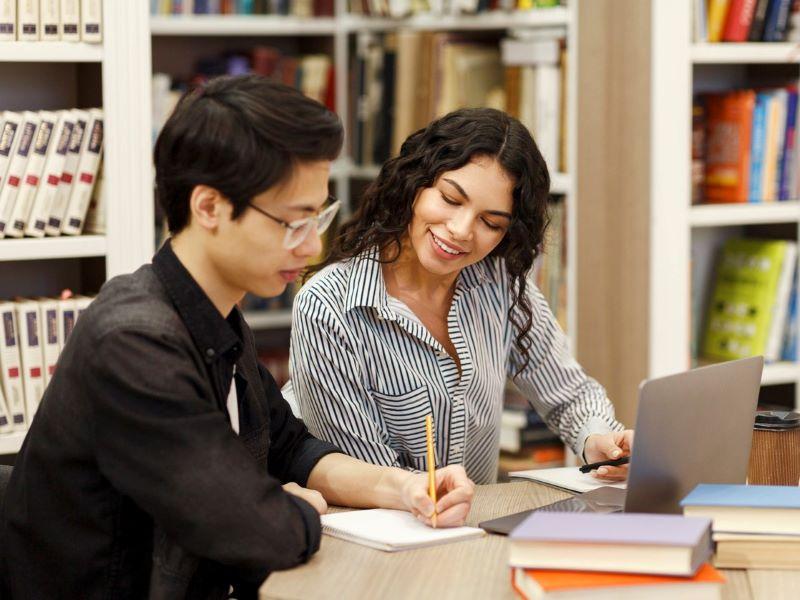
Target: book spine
11,367
92,21
787,155
33,172
48,319
51,176
775,129
757,146
49,20
28,20
61,199
81,193
71,20
31,355
9,140
8,20
780,306
66,321
717,11
759,21
777,21
548,106
16,170
739,19
96,215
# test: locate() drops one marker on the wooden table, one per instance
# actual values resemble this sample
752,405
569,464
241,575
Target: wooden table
469,569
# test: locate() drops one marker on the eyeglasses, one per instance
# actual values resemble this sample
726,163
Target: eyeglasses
297,231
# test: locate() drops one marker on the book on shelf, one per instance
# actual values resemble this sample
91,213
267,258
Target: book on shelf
50,20
698,148
60,201
85,175
66,317
533,584
10,124
48,319
11,366
92,21
750,299
296,8
622,542
28,20
16,169
729,127
8,20
70,28
31,356
755,509
405,8
96,215
743,20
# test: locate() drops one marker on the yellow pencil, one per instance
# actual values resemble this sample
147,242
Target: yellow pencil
431,465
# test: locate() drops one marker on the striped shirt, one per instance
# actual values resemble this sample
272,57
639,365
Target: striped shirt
366,371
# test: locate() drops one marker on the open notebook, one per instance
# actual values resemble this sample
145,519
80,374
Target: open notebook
567,478
391,530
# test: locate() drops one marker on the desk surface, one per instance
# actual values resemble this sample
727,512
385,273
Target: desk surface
470,569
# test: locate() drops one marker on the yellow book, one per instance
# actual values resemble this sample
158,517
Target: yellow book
717,13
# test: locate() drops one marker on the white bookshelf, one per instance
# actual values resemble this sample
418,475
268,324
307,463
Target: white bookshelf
116,75
544,17
674,243
268,319
241,25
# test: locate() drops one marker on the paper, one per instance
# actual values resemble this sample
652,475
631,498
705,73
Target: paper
391,530
567,478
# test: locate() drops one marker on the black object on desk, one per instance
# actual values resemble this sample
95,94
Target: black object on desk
605,463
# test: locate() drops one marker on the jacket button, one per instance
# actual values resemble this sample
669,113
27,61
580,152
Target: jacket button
210,353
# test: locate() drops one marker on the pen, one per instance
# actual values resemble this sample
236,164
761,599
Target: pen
431,465
606,463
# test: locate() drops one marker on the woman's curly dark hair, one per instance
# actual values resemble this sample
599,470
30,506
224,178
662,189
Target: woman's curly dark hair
446,144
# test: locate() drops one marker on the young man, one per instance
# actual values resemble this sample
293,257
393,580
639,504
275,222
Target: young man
163,459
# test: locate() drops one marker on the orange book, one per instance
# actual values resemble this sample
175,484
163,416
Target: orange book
729,125
535,583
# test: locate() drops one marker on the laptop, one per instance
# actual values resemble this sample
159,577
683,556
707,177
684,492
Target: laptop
693,427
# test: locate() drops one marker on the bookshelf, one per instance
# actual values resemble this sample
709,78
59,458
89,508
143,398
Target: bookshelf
638,323
116,76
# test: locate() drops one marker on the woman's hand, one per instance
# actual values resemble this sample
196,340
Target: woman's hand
608,446
454,491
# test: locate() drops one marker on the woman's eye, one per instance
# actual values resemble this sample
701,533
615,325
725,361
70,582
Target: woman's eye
491,225
448,200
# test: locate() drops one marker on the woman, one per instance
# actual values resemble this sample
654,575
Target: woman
424,307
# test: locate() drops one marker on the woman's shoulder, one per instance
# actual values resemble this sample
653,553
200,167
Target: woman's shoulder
327,286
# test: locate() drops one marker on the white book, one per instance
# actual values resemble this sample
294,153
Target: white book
10,125
66,320
71,20
10,365
49,20
33,173
6,426
391,530
188,7
96,216
776,119
530,52
30,351
81,193
81,304
780,307
8,20
48,322
51,176
61,199
527,101
28,20
92,21
548,113
16,170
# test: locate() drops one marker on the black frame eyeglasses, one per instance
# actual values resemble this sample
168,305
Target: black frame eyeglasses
297,231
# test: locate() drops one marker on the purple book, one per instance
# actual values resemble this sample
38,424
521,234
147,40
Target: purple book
597,528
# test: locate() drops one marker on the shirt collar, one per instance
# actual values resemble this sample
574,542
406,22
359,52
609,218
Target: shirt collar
213,334
366,287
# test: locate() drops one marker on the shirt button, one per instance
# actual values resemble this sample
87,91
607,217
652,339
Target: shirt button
457,448
210,352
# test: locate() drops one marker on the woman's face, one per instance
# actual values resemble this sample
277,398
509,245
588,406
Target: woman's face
462,217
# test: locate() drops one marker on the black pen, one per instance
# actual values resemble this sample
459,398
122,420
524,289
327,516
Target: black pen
606,463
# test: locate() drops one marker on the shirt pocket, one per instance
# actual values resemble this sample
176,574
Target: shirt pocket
404,418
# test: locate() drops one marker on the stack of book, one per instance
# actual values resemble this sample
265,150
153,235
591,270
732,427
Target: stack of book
295,8
754,526
750,309
51,21
743,20
34,332
49,162
585,555
744,146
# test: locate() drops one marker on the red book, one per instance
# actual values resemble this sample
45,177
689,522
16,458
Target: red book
738,21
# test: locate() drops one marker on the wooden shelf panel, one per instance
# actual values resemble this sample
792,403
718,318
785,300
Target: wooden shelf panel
710,215
53,248
50,52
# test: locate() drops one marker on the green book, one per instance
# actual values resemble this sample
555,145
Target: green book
749,302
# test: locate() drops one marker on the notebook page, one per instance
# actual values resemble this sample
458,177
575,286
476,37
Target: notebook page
567,478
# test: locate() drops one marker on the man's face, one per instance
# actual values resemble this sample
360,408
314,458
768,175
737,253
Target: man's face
249,253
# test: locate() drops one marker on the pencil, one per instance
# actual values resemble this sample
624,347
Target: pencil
431,465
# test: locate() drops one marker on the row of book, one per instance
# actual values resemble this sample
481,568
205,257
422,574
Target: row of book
34,332
49,161
746,20
752,308
296,8
51,21
744,146
403,8
402,80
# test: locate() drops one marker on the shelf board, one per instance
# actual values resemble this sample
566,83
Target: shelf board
50,248
747,53
230,25
50,52
268,319
710,215
10,443
541,17
560,183
780,372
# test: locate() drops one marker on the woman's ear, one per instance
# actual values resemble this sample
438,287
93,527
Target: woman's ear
206,205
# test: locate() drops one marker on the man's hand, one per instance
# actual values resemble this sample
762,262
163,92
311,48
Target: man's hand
313,497
609,446
454,491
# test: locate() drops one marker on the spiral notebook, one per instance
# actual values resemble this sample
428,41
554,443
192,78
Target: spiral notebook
391,530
